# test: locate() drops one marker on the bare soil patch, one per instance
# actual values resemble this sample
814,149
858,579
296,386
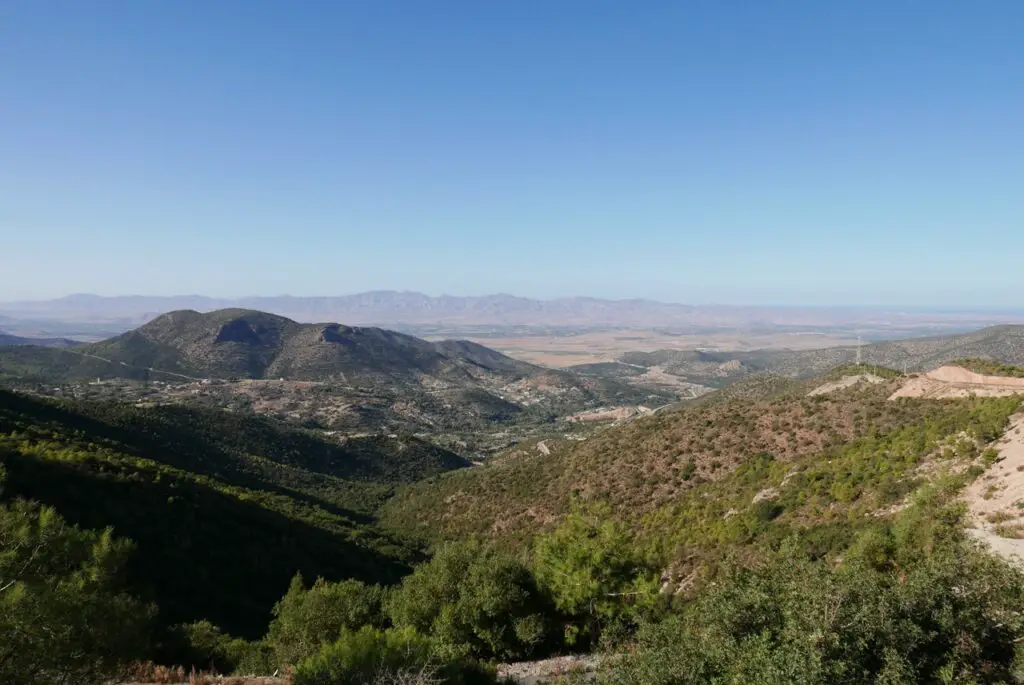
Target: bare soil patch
547,670
995,500
846,382
947,382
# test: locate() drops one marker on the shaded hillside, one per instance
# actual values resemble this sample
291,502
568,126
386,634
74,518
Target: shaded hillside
8,339
212,498
660,462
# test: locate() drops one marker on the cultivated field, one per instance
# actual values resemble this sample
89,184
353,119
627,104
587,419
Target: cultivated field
586,347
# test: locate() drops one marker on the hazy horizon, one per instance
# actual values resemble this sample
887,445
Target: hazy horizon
806,154
217,299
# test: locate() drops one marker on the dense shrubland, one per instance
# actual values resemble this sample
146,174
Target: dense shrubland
989,367
793,539
911,602
663,464
469,605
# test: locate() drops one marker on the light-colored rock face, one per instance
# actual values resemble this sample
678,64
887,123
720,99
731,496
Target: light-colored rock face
957,374
1001,487
995,500
948,382
846,382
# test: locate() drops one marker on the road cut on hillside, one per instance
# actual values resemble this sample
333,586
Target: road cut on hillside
995,500
948,382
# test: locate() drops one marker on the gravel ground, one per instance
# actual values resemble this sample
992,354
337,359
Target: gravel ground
539,672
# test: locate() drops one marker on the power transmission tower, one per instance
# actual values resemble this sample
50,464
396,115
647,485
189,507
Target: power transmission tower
858,350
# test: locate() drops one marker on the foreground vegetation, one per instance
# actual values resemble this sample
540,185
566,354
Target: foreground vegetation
784,539
910,601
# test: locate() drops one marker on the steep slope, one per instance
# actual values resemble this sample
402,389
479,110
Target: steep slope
226,343
212,497
237,343
676,475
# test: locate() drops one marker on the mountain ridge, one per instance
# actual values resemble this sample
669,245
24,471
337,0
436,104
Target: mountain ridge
388,307
7,339
252,344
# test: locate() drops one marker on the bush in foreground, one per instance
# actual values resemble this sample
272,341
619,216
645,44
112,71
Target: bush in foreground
371,656
596,576
890,613
305,619
474,601
63,616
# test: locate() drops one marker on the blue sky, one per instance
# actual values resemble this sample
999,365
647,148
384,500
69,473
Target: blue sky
775,151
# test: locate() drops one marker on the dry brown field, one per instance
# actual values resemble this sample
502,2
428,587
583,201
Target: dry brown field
560,351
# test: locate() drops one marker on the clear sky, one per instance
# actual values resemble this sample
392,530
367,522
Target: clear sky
766,151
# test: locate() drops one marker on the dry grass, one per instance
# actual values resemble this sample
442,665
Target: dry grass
1011,530
587,347
148,673
428,675
999,517
991,491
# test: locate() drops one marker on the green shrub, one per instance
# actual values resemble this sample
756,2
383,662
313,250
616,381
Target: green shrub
594,574
63,615
203,646
902,608
767,510
396,656
253,658
474,601
360,656
689,468
306,619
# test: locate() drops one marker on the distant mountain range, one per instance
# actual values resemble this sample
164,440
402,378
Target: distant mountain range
411,308
8,339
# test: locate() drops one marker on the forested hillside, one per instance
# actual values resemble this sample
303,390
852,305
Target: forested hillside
212,497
